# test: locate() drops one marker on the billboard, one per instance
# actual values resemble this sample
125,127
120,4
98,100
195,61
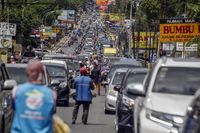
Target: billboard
67,16
101,2
116,17
7,29
179,30
146,39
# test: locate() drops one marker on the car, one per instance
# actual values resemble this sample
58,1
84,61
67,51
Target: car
82,57
192,118
18,73
7,85
58,72
167,93
72,62
123,64
125,99
59,56
40,52
111,94
112,59
28,55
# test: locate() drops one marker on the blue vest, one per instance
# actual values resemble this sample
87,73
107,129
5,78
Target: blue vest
34,108
83,88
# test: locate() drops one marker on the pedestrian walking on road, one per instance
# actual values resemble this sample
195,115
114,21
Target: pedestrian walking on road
33,103
96,76
84,86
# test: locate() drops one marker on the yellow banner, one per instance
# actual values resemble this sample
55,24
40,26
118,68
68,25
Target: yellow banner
117,17
146,40
110,50
179,32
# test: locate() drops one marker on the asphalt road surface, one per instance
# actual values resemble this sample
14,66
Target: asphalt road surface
98,122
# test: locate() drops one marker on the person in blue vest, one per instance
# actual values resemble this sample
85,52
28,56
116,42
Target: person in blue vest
33,103
84,86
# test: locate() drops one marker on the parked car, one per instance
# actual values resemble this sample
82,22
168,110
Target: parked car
111,95
112,59
125,99
6,86
123,64
192,117
40,52
70,60
18,73
169,90
28,55
58,72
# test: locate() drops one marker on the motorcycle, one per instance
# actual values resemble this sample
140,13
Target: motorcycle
104,81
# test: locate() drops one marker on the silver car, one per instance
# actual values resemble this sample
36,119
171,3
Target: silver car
111,95
167,91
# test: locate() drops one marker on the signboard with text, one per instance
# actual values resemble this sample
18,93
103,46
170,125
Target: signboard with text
67,16
146,39
179,30
7,29
192,48
116,17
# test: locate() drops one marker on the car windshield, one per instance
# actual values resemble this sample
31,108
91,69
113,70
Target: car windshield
118,78
19,75
115,67
113,60
176,80
56,71
29,54
71,66
135,78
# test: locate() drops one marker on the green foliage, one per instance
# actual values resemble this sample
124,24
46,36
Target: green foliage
28,14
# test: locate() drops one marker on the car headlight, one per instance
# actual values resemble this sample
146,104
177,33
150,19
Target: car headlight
127,101
63,85
164,119
112,93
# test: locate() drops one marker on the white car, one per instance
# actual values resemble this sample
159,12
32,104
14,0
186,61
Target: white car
170,88
111,95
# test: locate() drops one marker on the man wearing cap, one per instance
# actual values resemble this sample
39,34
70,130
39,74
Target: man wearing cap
84,86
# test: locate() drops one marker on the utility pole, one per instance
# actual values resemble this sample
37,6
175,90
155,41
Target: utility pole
130,32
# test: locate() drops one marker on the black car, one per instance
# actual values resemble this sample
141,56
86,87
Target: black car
72,61
58,72
192,118
126,97
28,55
6,86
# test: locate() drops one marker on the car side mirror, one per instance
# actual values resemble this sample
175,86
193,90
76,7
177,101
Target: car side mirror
9,84
136,89
117,88
55,82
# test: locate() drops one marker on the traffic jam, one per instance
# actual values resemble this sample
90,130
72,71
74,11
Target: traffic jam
93,72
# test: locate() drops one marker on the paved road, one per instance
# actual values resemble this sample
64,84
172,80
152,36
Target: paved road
98,122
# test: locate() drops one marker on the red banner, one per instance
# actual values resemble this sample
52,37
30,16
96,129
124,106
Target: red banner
103,8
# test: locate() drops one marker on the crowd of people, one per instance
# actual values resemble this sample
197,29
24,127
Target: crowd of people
87,85
95,67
